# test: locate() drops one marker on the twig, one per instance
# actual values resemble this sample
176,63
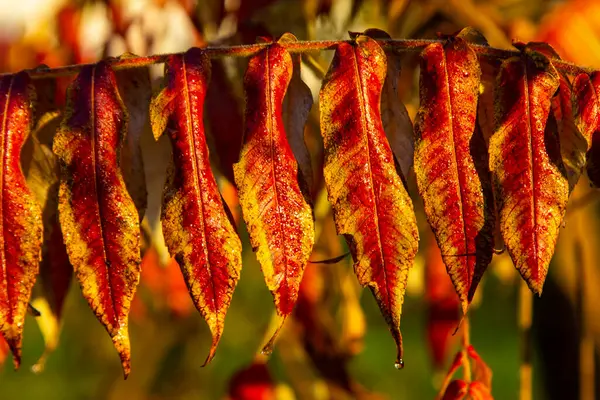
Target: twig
396,45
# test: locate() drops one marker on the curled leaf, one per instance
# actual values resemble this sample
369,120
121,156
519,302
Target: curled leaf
196,224
586,108
136,91
55,270
394,116
525,160
276,211
451,163
98,217
20,214
297,103
371,206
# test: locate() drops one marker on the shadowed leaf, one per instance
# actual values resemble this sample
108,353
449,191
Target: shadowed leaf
394,116
136,91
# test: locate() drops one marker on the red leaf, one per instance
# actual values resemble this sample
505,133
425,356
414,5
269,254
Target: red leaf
196,224
443,315
457,390
371,206
451,163
252,383
275,209
20,214
526,165
586,108
99,220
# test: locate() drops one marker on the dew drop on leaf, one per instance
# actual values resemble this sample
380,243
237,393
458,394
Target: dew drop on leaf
399,364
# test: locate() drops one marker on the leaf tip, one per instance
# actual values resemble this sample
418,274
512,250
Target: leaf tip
216,337
267,349
121,343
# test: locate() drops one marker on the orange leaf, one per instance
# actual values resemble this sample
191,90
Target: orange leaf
20,214
99,220
371,206
526,165
276,211
451,163
197,226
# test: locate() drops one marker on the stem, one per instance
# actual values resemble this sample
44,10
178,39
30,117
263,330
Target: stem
392,45
466,342
525,319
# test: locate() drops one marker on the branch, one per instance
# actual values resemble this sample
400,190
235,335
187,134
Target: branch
391,45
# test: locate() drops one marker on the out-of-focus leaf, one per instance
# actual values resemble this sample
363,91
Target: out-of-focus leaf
396,122
526,164
136,91
371,206
20,215
457,390
99,220
296,106
481,372
276,211
451,161
252,383
4,350
443,315
479,391
198,230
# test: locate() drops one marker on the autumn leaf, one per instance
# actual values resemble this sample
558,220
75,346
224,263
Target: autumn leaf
276,210
224,119
136,91
252,383
525,161
99,220
55,270
573,145
394,116
586,108
451,161
371,206
198,231
20,214
297,103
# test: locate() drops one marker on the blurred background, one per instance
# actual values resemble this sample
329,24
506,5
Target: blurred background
337,345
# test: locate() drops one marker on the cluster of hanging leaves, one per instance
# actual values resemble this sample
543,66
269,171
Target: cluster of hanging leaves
495,150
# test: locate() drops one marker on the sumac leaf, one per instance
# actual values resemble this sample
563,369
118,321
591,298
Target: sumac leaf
371,206
456,390
55,269
136,91
297,103
525,160
394,116
197,229
451,163
276,211
20,214
99,220
586,108
573,145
